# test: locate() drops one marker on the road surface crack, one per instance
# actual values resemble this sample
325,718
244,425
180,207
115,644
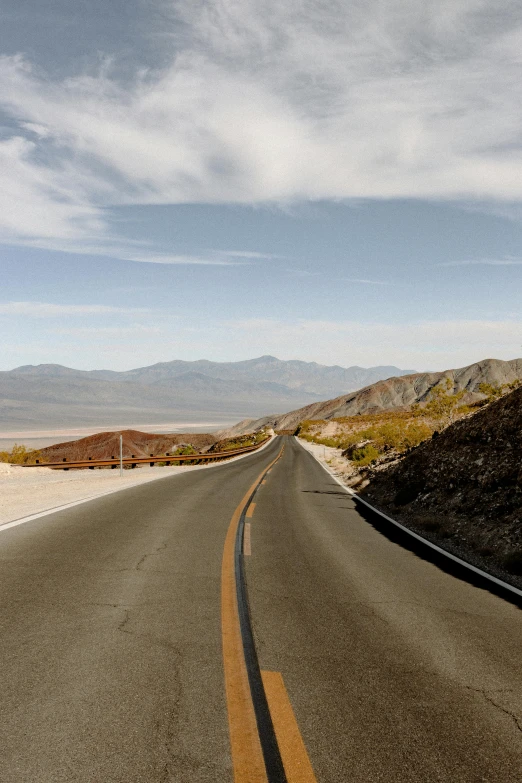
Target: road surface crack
122,625
486,694
142,559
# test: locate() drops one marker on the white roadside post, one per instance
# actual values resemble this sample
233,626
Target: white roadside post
121,455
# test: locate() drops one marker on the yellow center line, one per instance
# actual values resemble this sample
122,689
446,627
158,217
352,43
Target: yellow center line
250,511
298,768
247,545
247,755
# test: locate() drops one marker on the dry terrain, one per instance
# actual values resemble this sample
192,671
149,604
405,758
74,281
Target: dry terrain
393,394
464,487
105,445
26,491
50,396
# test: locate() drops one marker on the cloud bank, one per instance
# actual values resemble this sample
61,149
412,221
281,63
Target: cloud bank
266,101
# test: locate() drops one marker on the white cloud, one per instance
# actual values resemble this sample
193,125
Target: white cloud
269,101
50,310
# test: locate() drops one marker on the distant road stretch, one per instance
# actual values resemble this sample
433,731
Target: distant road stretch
125,622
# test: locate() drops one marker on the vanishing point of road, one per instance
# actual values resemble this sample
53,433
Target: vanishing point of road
121,648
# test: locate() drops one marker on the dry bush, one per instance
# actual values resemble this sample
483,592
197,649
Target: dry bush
20,455
365,455
392,430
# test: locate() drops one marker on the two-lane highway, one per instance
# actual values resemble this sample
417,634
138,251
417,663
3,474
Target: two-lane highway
114,627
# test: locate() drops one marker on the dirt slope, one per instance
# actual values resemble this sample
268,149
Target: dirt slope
104,445
464,487
400,392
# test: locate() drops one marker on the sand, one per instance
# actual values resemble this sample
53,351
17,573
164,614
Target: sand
27,491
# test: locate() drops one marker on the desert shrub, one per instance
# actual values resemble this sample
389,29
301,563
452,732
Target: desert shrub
397,435
491,392
442,406
242,441
398,430
496,392
416,433
185,451
365,455
20,455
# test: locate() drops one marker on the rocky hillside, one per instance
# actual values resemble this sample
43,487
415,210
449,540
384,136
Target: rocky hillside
394,393
104,445
464,487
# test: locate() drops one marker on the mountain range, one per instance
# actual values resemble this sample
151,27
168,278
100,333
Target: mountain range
396,392
47,396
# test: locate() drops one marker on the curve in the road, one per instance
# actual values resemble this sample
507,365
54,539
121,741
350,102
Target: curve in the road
266,744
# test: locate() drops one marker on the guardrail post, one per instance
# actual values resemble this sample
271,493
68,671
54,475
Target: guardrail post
91,467
151,463
133,464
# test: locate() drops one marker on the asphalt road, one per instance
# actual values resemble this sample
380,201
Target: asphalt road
111,658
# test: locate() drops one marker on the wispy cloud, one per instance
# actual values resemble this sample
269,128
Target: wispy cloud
266,101
108,331
364,281
246,254
184,260
124,250
50,310
508,261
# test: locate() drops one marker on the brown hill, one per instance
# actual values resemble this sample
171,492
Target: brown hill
393,393
104,445
464,487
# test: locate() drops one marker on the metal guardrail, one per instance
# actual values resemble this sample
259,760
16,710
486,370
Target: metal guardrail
168,459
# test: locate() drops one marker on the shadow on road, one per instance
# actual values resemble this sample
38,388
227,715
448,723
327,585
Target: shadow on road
425,552
420,549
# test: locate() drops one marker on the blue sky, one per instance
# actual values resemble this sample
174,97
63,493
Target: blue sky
218,179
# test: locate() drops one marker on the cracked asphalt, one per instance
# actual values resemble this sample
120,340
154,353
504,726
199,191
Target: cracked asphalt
110,645
397,670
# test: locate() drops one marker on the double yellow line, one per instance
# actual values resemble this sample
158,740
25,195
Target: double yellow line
246,746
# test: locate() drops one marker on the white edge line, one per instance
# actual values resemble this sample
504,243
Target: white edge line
55,509
407,530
